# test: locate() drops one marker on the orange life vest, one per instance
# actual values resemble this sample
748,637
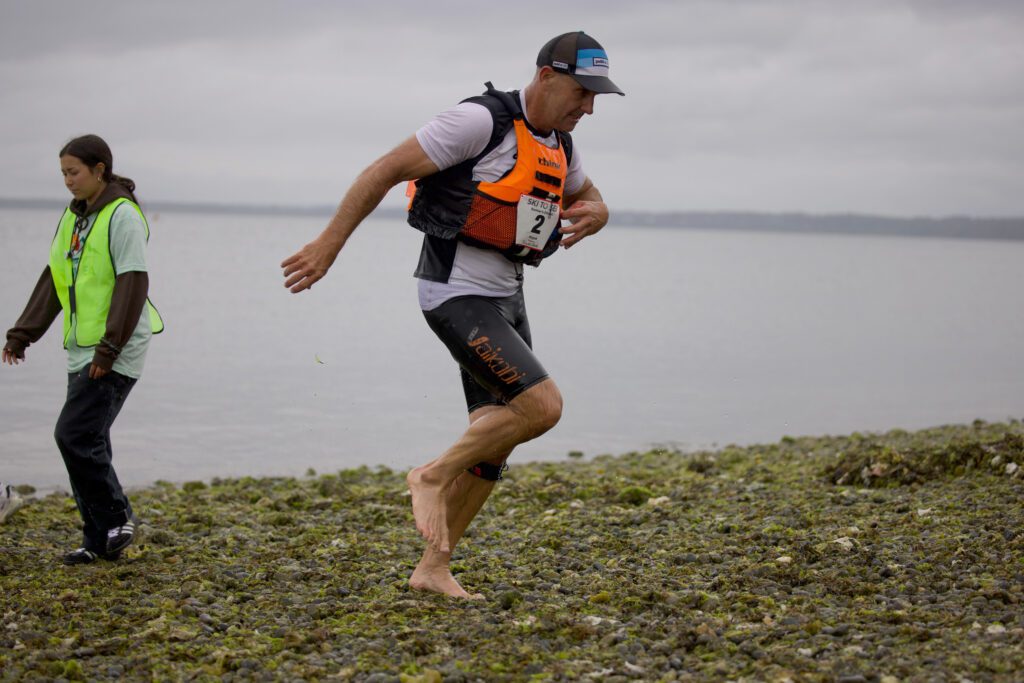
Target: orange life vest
450,204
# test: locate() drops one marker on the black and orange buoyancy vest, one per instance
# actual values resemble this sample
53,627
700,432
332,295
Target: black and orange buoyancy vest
451,205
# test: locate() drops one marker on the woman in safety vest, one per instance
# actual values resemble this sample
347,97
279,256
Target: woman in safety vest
97,276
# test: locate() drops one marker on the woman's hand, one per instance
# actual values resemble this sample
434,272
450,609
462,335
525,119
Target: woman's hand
8,356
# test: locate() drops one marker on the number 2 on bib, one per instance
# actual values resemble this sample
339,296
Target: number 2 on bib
536,219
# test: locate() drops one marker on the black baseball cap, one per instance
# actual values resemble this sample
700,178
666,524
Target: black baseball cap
581,57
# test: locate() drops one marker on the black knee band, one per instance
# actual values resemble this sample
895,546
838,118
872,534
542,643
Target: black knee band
486,470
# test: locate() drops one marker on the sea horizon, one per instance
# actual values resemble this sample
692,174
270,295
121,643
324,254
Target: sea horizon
955,226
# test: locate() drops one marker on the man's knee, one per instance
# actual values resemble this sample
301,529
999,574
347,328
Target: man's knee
541,406
551,412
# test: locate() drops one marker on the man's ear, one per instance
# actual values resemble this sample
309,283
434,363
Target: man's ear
546,73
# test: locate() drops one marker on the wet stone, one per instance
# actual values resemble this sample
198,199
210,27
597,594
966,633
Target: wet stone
382,678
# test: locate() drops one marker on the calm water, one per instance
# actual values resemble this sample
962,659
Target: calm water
655,336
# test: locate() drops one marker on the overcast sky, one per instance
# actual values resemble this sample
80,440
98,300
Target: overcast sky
897,107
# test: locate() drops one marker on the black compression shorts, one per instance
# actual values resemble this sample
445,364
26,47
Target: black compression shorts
489,338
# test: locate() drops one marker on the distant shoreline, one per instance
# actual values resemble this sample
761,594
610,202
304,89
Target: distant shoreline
955,227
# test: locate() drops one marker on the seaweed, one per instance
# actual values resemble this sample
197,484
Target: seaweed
765,562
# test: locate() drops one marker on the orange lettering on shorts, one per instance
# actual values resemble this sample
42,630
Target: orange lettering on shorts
495,363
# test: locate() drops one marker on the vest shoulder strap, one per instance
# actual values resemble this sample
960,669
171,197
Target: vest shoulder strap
504,109
509,100
566,140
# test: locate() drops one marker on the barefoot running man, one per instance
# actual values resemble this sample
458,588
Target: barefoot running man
494,177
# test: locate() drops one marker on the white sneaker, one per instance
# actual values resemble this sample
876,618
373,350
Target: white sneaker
10,501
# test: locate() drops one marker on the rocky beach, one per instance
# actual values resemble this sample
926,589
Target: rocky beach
867,557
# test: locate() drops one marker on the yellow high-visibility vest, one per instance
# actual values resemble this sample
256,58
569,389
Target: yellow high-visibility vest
87,294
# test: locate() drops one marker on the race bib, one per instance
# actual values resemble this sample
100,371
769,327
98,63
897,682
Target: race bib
536,219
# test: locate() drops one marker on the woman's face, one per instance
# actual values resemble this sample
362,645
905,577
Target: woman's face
82,181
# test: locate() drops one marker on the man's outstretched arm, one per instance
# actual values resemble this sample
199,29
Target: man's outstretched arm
408,161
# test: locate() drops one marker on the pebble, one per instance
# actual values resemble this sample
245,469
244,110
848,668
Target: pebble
382,678
785,559
509,599
837,631
845,543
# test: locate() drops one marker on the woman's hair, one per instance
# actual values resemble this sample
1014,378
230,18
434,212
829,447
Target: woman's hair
92,149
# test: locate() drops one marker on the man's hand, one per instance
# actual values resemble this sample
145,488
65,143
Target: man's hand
405,162
308,265
96,372
586,217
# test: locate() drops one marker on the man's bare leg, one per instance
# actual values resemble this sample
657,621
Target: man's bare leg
433,573
493,435
465,498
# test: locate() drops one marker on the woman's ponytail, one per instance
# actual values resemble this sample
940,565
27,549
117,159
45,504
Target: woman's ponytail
127,183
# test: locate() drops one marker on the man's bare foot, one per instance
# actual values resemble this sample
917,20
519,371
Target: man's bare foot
440,580
429,509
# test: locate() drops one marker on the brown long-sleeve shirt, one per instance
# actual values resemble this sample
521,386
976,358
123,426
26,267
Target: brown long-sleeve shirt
126,305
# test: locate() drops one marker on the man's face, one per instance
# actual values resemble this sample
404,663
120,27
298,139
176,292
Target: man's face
570,101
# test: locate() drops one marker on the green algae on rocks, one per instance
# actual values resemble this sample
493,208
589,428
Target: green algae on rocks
747,563
895,461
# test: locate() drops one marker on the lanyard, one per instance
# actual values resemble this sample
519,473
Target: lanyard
76,240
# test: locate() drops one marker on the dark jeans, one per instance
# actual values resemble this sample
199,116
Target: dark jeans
83,437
